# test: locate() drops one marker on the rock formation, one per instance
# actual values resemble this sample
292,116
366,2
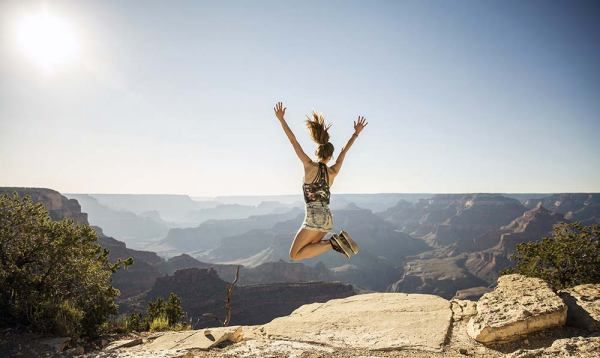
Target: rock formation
583,304
208,234
58,206
454,219
439,276
134,229
375,321
583,207
533,225
518,306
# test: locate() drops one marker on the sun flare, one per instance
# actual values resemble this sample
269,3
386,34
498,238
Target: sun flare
48,41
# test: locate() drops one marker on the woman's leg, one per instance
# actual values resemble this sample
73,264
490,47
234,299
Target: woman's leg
307,244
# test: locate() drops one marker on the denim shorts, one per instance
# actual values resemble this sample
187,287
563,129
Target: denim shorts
317,217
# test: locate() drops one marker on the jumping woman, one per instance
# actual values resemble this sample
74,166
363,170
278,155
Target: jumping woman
318,221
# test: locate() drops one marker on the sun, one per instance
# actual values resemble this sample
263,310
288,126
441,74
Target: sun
48,41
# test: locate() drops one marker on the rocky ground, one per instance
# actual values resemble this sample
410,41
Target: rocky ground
522,317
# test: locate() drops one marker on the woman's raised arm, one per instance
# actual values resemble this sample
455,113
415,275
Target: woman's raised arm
358,127
280,113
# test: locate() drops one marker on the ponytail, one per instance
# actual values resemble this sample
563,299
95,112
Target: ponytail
319,133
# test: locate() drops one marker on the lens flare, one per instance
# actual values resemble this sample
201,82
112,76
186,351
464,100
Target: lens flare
47,40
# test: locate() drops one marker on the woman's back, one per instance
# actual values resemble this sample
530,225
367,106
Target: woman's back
318,188
312,171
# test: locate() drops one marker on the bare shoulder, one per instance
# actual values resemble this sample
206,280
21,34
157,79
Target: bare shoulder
311,164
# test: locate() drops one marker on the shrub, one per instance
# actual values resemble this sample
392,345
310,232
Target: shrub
173,309
54,276
170,309
136,322
160,323
160,315
569,257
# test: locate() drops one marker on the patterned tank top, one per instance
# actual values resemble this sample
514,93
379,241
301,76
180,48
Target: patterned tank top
318,190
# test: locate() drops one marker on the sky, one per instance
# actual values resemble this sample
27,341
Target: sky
176,97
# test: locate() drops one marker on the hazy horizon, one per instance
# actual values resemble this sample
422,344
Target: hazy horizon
177,98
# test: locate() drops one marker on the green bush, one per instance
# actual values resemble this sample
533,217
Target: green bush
136,322
170,309
54,276
569,257
160,315
160,323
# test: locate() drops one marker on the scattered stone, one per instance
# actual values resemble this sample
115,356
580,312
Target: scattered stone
567,347
584,306
125,343
203,339
463,351
518,306
375,321
58,343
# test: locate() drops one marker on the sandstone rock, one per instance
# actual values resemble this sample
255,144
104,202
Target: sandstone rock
124,343
567,347
376,321
463,309
518,306
203,339
583,302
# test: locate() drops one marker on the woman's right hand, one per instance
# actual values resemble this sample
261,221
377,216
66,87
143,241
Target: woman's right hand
360,124
279,110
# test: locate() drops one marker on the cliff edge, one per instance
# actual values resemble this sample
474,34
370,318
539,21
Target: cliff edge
522,317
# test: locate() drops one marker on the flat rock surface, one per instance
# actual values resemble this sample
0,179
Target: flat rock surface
519,305
377,321
584,306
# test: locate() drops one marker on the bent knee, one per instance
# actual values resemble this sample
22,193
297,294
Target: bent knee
294,256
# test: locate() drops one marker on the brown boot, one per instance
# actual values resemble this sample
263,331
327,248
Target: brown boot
335,244
345,239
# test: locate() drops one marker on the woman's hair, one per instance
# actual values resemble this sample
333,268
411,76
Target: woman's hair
318,132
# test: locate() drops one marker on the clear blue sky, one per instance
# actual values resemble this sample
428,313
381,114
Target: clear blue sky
177,96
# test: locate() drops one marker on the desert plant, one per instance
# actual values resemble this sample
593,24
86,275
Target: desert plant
160,323
173,309
170,309
136,321
155,309
569,257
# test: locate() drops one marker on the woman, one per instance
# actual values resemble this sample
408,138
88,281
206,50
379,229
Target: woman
318,220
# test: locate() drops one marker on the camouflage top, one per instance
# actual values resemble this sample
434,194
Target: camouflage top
318,190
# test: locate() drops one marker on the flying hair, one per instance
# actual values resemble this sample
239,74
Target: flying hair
318,131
